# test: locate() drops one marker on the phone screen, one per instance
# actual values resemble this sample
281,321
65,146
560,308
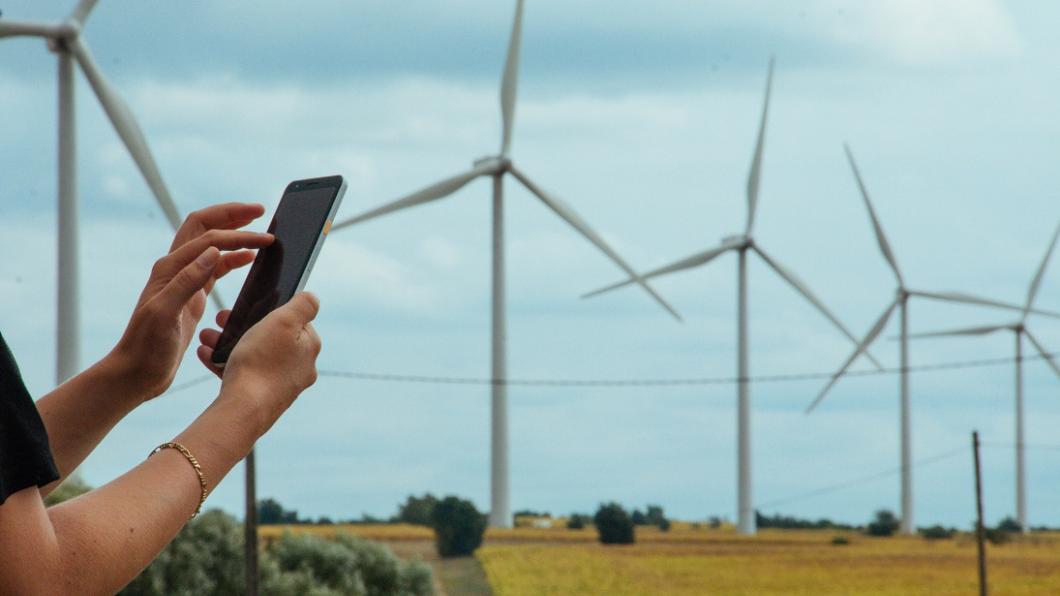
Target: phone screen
280,269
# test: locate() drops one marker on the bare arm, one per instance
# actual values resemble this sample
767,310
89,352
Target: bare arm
97,543
80,412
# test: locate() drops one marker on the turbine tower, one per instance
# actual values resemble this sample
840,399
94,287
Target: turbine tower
65,39
742,244
900,303
495,167
1019,329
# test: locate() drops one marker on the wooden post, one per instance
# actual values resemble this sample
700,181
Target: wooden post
979,515
250,529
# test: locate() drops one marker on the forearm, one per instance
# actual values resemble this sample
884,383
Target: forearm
80,412
97,543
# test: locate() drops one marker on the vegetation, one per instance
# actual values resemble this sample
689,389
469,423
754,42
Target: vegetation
271,512
577,521
884,524
458,527
72,487
613,524
789,522
937,532
417,510
206,559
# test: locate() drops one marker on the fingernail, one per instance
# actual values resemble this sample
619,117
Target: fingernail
208,258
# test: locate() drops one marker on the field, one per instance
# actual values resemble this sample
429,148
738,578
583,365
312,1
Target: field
686,560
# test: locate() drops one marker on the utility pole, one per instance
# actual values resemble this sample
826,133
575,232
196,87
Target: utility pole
979,515
250,529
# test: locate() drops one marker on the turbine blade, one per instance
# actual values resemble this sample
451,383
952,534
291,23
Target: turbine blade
965,298
755,175
510,80
17,28
567,214
1045,353
436,191
700,258
881,238
81,12
801,287
217,300
1037,282
128,130
871,336
980,330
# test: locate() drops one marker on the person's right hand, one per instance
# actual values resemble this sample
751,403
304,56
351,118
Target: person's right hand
273,362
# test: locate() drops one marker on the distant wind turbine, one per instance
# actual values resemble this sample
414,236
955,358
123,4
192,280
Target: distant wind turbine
64,38
1019,328
741,244
900,303
496,167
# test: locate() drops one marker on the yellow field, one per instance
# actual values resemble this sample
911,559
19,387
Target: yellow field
525,562
686,560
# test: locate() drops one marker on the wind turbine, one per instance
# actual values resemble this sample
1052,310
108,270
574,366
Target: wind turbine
496,167
65,39
1019,329
741,244
900,303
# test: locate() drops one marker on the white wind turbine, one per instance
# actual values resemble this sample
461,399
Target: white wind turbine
741,244
64,38
496,167
1019,329
900,302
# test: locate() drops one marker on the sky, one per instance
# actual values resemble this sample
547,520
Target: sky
643,117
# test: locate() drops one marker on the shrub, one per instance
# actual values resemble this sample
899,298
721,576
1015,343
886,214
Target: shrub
206,559
271,512
458,527
577,521
613,524
1010,525
937,532
417,510
664,525
840,540
884,524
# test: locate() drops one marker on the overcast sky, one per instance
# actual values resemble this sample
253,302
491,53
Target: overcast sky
641,115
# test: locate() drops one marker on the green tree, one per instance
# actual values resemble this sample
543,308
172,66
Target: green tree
417,510
458,527
613,524
884,524
73,486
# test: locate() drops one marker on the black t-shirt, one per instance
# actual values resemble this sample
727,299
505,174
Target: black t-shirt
25,458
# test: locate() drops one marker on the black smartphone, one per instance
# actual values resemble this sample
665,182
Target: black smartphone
281,269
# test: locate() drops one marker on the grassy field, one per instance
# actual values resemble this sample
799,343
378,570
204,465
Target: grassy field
686,560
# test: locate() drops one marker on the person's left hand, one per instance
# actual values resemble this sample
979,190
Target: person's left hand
173,301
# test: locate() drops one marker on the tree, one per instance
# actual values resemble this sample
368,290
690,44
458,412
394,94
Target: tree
458,527
577,521
417,510
73,486
1010,525
884,524
638,518
271,512
613,524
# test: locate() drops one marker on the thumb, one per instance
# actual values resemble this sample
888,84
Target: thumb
304,307
188,281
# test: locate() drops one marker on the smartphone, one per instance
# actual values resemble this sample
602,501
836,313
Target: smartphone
281,269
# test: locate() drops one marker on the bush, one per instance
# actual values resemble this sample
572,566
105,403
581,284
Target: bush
840,540
937,532
577,521
1010,525
613,524
271,512
417,510
206,559
884,524
458,527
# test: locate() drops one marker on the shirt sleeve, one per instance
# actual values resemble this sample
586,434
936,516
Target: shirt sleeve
25,457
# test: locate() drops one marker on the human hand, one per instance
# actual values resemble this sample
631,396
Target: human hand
173,301
273,362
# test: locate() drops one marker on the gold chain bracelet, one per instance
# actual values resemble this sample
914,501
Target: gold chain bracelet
194,464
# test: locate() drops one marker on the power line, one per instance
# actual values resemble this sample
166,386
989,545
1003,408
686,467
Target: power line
863,479
643,382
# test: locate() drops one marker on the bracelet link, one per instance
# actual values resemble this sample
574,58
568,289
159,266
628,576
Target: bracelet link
194,464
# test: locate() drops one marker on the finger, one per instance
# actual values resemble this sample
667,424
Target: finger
225,216
233,260
205,355
208,337
222,317
304,306
220,239
187,282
